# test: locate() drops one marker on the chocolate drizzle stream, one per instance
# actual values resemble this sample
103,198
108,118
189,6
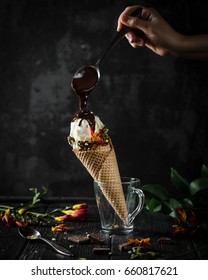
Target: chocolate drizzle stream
87,115
83,83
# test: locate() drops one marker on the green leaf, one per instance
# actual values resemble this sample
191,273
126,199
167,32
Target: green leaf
187,203
154,205
198,185
204,171
178,181
173,214
173,204
156,191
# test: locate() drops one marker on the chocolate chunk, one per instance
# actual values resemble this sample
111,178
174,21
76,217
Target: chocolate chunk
165,240
125,246
81,239
101,250
96,238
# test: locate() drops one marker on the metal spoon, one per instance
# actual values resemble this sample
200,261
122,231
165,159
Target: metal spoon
87,77
32,234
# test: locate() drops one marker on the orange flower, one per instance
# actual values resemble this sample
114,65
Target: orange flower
186,222
97,137
140,242
181,215
60,227
10,219
6,216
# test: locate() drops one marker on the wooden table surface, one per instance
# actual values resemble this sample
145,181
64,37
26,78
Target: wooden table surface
154,226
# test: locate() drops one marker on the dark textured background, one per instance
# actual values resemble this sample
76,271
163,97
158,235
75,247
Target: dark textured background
155,108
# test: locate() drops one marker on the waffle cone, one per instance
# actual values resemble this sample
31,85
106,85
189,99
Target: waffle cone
100,161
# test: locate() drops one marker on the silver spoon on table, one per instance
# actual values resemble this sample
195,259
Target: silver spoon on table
87,77
32,234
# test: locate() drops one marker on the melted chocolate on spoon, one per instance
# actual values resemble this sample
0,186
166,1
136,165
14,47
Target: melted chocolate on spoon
85,79
83,83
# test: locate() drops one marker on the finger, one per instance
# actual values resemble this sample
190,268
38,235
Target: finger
141,23
134,40
137,45
126,12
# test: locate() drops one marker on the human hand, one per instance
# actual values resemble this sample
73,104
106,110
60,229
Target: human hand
161,38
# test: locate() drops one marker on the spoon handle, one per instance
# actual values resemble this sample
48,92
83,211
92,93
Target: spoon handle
119,35
58,248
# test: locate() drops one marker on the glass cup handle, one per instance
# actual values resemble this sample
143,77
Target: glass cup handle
139,207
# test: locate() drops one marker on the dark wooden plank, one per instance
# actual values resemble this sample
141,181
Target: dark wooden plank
11,244
200,241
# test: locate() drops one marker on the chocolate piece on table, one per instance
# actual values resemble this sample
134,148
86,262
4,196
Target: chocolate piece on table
165,240
96,238
125,246
81,239
101,250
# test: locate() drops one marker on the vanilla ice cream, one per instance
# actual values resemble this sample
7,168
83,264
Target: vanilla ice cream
82,136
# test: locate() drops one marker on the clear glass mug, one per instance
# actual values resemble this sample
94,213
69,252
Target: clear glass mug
109,217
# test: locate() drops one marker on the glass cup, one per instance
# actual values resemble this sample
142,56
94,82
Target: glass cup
134,200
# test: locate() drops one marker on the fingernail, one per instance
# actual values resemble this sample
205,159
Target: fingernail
125,18
118,28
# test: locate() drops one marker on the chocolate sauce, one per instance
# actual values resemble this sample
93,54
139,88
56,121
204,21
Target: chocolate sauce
83,83
85,80
86,115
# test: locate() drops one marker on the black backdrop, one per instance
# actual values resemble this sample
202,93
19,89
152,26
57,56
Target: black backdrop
155,107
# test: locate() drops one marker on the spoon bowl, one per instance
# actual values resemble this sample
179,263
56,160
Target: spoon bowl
29,233
33,234
85,79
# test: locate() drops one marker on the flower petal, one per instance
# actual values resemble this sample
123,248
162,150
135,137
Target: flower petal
140,242
21,224
22,211
80,206
60,227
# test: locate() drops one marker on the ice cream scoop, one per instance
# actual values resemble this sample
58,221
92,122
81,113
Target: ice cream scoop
87,77
83,135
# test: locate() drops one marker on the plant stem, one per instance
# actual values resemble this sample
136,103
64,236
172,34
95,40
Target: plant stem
4,207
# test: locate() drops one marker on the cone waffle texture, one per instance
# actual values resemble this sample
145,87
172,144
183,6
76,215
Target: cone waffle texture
100,161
